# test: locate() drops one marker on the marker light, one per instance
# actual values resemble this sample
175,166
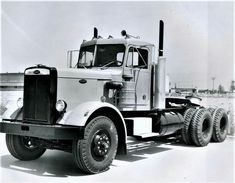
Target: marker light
61,106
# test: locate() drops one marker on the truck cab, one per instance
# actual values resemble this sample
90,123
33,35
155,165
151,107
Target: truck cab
111,69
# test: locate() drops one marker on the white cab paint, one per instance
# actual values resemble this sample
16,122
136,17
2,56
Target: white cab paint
75,93
80,115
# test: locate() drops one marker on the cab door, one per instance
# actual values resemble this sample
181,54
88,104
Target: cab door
137,64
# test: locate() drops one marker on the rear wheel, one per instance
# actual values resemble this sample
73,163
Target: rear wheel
220,125
211,110
24,148
202,126
97,150
185,132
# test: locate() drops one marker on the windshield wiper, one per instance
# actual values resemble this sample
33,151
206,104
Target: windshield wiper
109,63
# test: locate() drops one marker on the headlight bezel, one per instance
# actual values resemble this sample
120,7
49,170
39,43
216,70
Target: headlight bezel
61,106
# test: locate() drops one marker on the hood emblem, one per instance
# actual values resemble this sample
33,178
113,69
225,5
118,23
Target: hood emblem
36,72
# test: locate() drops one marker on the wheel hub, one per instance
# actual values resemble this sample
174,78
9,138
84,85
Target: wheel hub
28,143
101,144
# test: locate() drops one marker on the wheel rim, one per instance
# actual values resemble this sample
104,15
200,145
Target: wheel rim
223,124
101,144
29,143
205,128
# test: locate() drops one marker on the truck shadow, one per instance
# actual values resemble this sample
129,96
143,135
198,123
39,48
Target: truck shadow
51,164
139,149
61,164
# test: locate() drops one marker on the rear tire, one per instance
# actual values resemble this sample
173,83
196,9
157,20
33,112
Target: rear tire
202,126
23,148
220,125
211,110
95,153
185,132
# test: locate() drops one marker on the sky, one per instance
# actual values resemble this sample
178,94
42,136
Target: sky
198,40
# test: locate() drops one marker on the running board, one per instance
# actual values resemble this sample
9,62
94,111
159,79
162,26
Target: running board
146,135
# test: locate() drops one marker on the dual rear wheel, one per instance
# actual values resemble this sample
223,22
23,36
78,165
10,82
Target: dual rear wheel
203,125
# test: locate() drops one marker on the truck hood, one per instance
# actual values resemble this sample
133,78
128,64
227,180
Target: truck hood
108,74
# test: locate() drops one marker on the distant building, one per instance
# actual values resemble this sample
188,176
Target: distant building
11,81
184,91
204,91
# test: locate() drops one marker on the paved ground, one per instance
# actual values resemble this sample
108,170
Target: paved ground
148,161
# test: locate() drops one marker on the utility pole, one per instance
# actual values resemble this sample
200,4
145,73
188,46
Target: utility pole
213,83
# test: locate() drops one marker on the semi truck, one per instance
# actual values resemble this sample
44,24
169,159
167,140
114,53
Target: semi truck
90,108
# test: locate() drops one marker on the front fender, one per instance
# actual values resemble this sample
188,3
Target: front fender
79,115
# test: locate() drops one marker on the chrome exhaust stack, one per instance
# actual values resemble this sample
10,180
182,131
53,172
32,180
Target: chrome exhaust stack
160,72
160,78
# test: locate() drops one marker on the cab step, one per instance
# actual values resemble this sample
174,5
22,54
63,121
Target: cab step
146,135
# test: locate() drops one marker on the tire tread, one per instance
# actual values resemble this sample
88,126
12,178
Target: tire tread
196,123
218,114
185,132
80,154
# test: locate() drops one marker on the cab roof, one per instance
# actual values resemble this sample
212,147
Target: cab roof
136,42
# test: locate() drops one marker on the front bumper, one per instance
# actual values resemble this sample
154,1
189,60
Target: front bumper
59,132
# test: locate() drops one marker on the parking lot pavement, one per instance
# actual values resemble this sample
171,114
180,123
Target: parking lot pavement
152,160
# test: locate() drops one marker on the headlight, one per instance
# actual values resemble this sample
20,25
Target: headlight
61,106
20,102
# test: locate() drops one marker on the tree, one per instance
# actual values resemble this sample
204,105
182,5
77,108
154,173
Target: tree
232,86
220,89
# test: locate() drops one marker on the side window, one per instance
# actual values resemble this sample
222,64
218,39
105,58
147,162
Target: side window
137,57
87,56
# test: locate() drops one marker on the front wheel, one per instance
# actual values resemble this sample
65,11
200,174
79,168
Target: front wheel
96,151
23,148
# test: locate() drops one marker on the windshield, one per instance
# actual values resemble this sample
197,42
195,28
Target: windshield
112,54
107,55
86,56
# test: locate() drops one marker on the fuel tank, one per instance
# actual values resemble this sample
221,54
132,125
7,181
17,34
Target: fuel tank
167,123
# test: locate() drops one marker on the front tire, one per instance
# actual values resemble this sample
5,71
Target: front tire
23,148
95,153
